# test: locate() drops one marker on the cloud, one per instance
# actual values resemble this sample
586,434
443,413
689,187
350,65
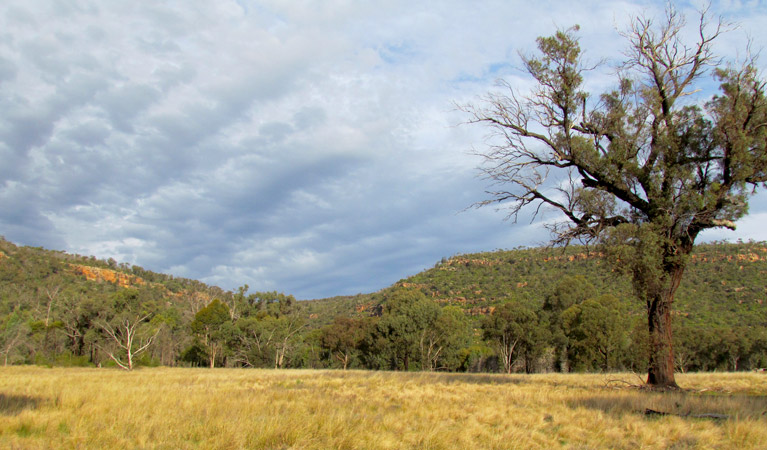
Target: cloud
306,147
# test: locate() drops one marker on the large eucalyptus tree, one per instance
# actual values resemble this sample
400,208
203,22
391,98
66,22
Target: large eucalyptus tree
644,168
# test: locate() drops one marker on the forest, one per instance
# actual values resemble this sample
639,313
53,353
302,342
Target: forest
525,310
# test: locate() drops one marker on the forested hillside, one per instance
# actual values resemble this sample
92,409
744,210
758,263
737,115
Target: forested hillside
720,309
518,310
55,308
725,284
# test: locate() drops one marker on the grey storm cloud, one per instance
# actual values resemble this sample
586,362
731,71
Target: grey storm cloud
311,148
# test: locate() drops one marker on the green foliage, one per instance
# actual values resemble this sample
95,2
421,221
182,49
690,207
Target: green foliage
572,290
68,360
126,326
342,339
213,326
637,168
195,355
516,331
406,316
210,319
439,319
597,334
443,344
414,333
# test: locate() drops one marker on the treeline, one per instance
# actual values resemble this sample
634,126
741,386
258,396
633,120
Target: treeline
455,317
575,328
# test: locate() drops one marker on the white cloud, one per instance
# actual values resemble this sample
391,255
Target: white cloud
309,147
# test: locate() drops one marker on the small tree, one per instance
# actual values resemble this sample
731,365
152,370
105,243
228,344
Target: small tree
267,340
407,316
210,325
596,330
512,330
342,338
286,330
443,339
637,168
570,291
126,324
13,331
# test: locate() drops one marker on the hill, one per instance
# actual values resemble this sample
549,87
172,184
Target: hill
724,284
52,301
59,309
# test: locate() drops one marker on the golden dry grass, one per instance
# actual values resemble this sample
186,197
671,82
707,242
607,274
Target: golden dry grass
304,409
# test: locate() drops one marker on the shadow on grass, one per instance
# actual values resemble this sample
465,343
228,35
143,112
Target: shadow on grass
10,404
431,377
477,378
685,405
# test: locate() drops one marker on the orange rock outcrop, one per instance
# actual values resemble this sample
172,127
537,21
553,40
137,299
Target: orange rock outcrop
747,257
107,275
468,262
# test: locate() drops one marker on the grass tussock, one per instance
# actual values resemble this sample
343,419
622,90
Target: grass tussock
303,409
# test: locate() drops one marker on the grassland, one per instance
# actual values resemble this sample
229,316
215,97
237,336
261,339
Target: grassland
304,409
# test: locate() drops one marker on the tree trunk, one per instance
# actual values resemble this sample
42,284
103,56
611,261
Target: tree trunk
279,358
661,368
560,359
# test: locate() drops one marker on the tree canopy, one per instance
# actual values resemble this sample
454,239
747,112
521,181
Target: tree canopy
643,168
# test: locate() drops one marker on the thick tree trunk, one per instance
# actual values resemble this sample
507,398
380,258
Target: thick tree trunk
661,368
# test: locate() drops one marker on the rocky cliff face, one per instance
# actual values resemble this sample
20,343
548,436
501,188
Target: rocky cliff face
107,275
759,254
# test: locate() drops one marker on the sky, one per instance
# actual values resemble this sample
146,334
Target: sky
308,147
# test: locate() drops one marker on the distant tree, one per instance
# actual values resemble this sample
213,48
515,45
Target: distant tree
597,333
639,168
266,340
511,330
758,357
79,314
736,346
308,352
240,301
170,340
442,340
342,338
407,315
210,325
13,332
639,343
287,330
569,291
475,358
195,355
273,303
126,324
686,343
255,342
